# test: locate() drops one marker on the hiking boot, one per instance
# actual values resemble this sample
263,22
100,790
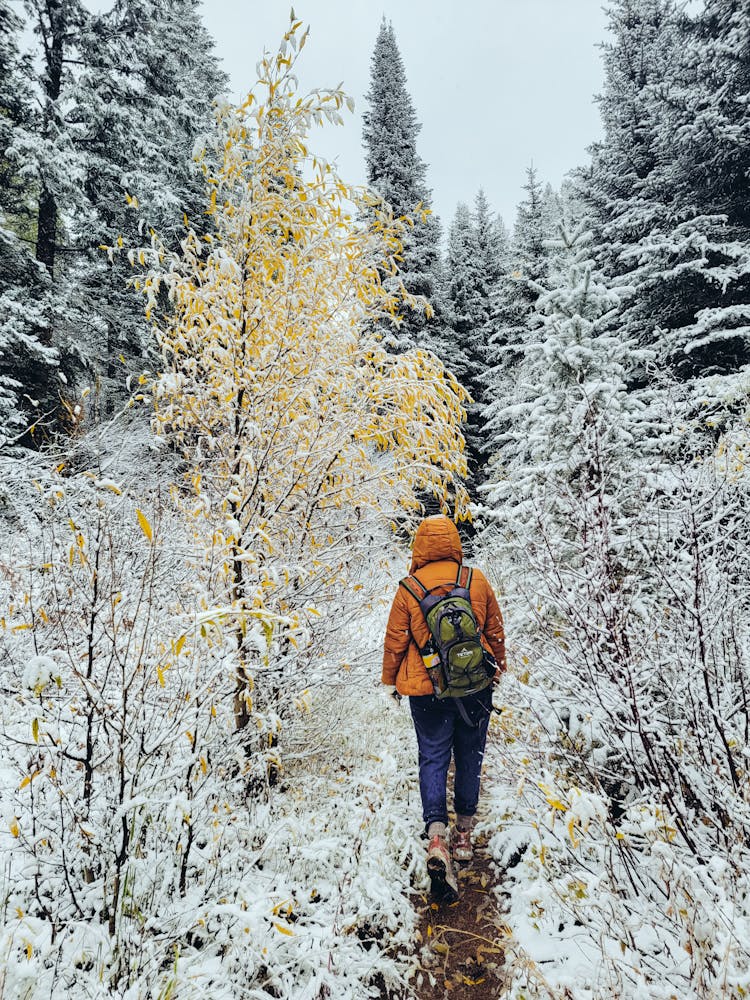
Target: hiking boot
461,846
440,870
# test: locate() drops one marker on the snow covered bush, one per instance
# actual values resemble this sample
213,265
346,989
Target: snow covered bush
637,653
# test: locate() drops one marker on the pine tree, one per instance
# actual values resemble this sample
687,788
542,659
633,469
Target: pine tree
474,266
666,185
618,189
396,173
528,263
15,109
492,249
145,99
565,434
58,25
465,303
710,244
27,362
512,303
124,98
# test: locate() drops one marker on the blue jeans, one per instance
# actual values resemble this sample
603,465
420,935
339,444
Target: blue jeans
441,732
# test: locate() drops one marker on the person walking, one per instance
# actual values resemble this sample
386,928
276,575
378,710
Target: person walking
445,726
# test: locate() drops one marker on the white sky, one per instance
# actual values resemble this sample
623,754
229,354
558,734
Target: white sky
496,84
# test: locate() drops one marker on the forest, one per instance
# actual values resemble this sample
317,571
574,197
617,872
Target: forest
232,383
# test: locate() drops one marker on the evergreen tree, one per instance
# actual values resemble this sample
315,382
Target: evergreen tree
15,111
145,97
513,297
396,172
27,362
465,302
531,233
492,250
666,186
53,149
527,269
474,267
707,321
123,99
565,435
619,189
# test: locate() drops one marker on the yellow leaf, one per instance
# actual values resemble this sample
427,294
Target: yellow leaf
284,930
571,832
14,827
29,950
35,730
179,644
28,779
145,526
160,675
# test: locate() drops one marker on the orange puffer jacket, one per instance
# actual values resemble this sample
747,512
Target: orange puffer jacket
436,556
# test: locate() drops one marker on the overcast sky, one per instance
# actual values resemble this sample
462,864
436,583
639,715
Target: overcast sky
496,84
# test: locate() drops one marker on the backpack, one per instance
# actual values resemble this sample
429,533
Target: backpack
456,661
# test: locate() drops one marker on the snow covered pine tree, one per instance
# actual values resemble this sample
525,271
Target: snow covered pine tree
396,173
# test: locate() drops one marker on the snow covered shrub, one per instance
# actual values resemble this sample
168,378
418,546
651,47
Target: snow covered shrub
653,696
113,721
604,911
638,704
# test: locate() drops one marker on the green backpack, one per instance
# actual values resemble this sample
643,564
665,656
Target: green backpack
456,661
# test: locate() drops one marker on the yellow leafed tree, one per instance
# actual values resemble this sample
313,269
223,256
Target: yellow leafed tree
296,423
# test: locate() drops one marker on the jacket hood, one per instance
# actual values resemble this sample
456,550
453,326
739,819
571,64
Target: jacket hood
436,538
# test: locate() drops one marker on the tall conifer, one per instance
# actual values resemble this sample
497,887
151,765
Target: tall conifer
477,248
146,97
397,173
28,363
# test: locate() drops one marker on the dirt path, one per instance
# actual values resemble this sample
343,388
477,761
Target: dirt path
461,944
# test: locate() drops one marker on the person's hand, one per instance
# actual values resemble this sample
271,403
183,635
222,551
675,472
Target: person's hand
391,694
501,669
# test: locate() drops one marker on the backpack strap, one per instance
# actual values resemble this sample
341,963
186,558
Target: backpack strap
408,584
465,715
463,577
